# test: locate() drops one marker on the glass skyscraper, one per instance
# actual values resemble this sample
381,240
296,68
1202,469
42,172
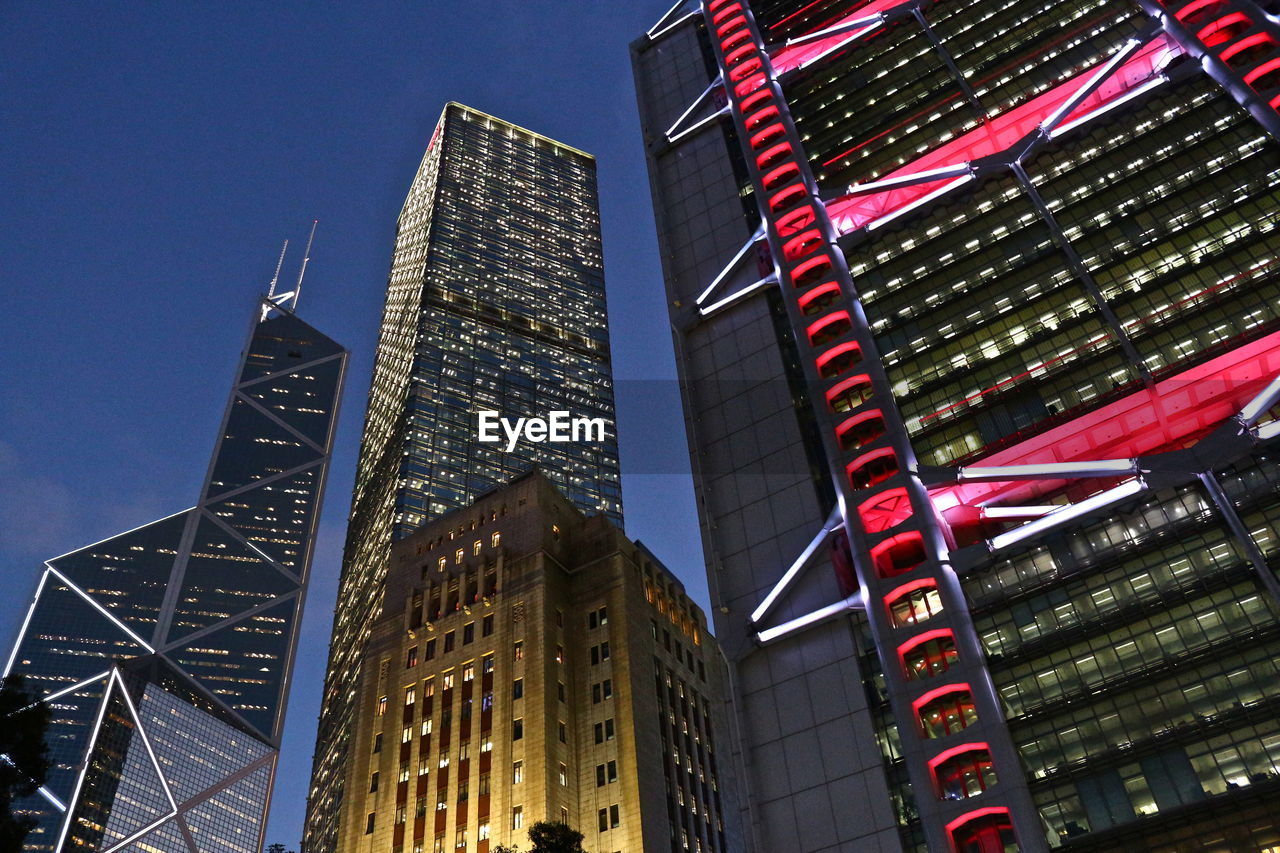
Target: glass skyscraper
495,301
976,316
165,652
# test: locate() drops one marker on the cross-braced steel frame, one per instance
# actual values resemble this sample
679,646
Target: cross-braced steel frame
899,542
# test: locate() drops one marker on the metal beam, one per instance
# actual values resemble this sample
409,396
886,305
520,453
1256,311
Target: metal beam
1067,514
817,617
834,520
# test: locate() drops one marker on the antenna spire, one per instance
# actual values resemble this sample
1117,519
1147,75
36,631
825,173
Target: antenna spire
271,291
306,256
278,300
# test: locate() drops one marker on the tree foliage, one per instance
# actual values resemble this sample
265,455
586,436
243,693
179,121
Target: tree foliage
24,757
549,837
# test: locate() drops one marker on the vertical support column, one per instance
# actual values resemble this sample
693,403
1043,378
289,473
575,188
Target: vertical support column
899,545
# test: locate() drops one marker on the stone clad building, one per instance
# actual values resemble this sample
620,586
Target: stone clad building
529,664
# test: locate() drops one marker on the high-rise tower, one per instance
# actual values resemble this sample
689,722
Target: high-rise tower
165,652
975,306
495,302
532,664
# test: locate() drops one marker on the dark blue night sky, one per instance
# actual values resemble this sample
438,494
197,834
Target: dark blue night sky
152,158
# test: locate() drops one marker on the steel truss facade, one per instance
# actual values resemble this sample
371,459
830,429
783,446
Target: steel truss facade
938,488
165,652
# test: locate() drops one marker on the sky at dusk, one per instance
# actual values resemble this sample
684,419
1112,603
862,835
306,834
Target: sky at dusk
154,156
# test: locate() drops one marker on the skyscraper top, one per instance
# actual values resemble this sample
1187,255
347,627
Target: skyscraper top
473,113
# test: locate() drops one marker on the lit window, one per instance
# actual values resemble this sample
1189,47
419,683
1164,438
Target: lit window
930,658
965,775
517,772
916,605
495,539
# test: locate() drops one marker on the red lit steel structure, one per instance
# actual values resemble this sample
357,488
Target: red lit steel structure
915,531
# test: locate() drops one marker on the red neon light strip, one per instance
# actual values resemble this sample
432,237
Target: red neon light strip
1264,68
801,11
958,750
855,211
959,687
1246,43
1144,422
795,56
1129,327
1193,7
1042,366
974,815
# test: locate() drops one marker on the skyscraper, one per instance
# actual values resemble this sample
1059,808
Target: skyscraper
532,664
165,652
975,310
495,302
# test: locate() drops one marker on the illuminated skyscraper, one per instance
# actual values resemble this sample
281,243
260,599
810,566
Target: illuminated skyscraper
532,664
976,315
165,652
496,302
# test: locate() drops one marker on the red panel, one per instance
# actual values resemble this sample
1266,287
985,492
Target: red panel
959,750
974,815
908,588
911,645
940,691
1255,40
900,554
1149,421
1224,29
1262,70
885,510
872,468
861,429
856,210
1193,7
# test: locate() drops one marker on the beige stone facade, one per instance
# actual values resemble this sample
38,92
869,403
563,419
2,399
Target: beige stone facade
531,664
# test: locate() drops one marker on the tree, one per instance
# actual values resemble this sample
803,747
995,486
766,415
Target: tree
276,848
24,757
549,837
